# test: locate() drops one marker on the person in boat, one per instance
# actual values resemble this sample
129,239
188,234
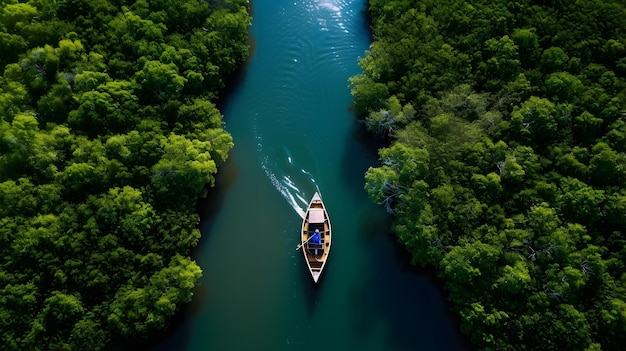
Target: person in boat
316,238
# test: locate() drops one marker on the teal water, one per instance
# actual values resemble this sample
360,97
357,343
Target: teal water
294,135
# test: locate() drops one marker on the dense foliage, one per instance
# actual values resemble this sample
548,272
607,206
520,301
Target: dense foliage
108,137
506,163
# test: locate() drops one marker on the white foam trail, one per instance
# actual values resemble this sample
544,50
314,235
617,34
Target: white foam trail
303,200
285,185
290,184
282,171
284,191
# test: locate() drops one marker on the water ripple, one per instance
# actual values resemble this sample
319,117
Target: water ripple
299,75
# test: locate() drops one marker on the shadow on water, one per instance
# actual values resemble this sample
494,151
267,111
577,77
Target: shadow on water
175,337
177,334
209,207
233,82
310,289
408,302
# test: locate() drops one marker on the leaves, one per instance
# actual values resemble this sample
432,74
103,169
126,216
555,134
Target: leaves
107,113
519,204
139,311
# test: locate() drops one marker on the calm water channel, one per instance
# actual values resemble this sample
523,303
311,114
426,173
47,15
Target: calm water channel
294,135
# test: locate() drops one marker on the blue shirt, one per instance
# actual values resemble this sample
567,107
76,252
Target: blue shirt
315,239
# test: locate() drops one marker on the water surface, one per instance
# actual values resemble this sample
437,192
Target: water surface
294,135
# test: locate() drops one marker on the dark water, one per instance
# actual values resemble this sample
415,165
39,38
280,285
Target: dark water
294,135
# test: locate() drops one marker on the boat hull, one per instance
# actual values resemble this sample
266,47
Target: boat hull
316,237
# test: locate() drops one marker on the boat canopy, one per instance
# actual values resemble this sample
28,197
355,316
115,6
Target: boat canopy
316,215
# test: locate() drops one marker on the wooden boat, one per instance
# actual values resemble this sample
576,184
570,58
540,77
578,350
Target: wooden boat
315,237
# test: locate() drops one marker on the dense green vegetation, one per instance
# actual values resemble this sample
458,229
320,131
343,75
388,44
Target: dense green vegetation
506,162
109,135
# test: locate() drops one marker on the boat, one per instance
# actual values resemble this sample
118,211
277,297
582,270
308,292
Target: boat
315,237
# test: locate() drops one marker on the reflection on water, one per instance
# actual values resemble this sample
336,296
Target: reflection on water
331,10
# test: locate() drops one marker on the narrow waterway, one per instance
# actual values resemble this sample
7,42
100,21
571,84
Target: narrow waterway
294,135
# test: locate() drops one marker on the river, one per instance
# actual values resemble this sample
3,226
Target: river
294,135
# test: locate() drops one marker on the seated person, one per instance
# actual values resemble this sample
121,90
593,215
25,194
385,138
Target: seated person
316,238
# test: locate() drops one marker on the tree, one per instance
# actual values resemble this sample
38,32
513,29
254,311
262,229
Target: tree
465,103
553,59
515,280
133,37
520,115
606,166
580,202
385,121
159,82
37,71
199,111
613,322
587,128
89,80
124,213
527,42
18,198
563,87
469,264
137,311
90,115
61,312
481,322
17,300
109,108
369,95
537,120
185,168
401,165
488,187
12,45
15,16
19,140
56,104
501,63
88,333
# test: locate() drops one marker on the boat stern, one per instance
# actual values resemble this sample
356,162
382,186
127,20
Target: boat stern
316,276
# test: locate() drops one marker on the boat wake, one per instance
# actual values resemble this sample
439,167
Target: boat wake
287,185
309,52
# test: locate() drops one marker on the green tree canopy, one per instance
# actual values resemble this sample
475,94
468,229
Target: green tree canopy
508,177
107,113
